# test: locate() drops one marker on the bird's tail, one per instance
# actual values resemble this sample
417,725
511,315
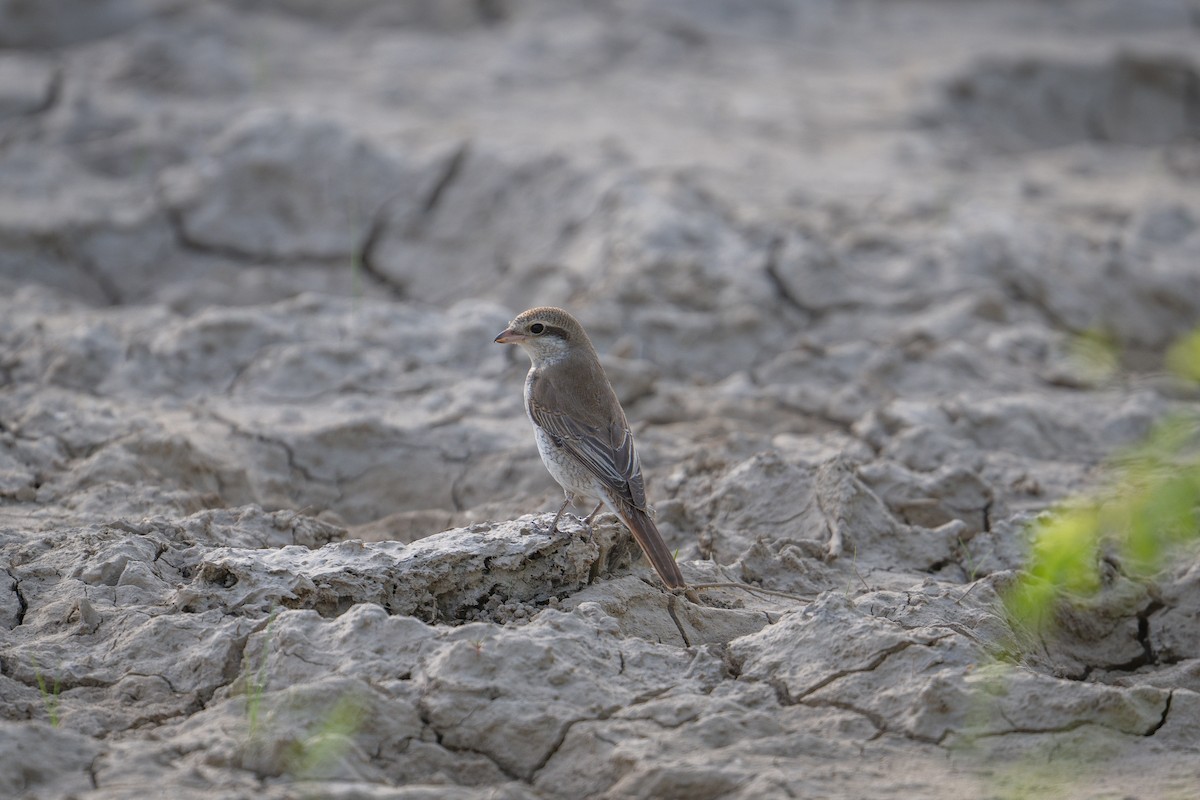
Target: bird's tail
652,544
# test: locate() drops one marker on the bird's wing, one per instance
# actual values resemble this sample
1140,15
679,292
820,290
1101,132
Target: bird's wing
603,445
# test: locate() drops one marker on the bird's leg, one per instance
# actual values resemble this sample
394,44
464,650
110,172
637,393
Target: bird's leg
587,523
592,515
558,516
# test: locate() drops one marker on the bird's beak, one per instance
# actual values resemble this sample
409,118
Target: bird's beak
509,336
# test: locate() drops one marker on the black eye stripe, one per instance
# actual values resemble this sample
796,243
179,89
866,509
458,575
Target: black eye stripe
542,329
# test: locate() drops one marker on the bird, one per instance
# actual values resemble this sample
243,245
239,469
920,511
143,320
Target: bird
581,430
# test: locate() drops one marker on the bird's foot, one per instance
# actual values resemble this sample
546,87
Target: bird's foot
584,522
558,516
588,520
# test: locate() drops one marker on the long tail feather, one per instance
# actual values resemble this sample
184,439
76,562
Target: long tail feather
652,544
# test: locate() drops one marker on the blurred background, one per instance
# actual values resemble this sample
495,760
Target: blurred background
879,284
774,218
619,153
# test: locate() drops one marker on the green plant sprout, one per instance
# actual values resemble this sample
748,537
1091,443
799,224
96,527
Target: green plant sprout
317,751
50,696
257,682
320,750
1152,508
854,566
969,565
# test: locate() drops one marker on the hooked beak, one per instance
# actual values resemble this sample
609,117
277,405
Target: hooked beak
509,336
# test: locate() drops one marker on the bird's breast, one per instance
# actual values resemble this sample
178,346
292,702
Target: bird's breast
566,470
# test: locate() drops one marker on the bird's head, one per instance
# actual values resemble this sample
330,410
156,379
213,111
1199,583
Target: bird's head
547,335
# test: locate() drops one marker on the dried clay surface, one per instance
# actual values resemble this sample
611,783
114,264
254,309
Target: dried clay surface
272,520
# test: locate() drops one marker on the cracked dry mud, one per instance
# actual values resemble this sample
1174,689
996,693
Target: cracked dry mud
272,523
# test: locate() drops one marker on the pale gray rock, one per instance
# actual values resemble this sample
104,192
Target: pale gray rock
491,219
210,64
12,611
27,85
947,494
61,22
1134,98
516,562
1153,14
278,186
40,760
434,15
101,244
635,609
1081,283
1172,629
1043,425
1166,224
272,523
858,671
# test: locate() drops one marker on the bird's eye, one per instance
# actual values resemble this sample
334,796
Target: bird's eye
537,329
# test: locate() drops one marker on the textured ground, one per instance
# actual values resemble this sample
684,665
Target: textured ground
272,521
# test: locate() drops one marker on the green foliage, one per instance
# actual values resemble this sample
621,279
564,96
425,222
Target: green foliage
1184,357
1062,559
1152,508
1096,353
319,751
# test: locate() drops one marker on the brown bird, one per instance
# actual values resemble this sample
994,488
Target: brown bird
581,431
